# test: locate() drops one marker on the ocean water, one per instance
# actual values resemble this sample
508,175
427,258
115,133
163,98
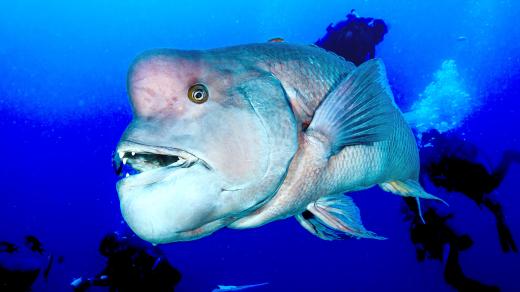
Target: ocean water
64,105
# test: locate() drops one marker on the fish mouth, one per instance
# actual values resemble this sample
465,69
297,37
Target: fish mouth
133,159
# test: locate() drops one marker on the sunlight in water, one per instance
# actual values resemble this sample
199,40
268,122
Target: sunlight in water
444,104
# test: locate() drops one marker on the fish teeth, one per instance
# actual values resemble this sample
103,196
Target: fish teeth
133,153
125,160
121,154
127,175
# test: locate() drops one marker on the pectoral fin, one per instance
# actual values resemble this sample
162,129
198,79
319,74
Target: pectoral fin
360,110
334,217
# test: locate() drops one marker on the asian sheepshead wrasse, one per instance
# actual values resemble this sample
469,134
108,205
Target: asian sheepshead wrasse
246,135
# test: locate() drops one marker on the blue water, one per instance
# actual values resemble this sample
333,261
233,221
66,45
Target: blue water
63,107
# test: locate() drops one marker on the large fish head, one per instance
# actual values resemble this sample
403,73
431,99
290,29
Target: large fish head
210,141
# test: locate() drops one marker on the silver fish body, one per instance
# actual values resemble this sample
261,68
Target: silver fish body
286,129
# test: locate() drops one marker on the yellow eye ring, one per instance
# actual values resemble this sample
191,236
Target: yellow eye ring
198,93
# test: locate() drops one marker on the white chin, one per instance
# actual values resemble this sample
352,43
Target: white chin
170,209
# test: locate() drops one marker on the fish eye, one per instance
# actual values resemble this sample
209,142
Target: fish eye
198,93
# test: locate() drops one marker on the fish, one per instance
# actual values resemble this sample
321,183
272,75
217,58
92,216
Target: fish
242,136
276,40
223,288
77,282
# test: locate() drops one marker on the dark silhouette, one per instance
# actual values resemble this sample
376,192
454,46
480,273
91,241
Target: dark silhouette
12,280
132,265
7,247
34,244
448,163
21,265
355,38
430,236
436,240
453,164
455,277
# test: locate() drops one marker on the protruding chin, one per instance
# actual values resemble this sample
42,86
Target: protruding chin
151,232
173,209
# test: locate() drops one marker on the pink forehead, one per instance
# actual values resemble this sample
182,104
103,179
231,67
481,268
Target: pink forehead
163,65
158,84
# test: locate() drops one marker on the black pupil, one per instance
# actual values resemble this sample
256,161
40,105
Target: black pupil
199,94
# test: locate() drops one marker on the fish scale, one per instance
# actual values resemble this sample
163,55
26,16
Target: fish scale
285,129
356,138
355,167
299,68
359,167
301,75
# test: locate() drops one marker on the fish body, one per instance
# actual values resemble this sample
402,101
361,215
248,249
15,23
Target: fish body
246,135
276,40
225,288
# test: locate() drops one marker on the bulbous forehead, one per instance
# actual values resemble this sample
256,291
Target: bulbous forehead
159,81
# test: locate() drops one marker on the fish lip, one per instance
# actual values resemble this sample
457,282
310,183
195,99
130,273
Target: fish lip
140,179
129,145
